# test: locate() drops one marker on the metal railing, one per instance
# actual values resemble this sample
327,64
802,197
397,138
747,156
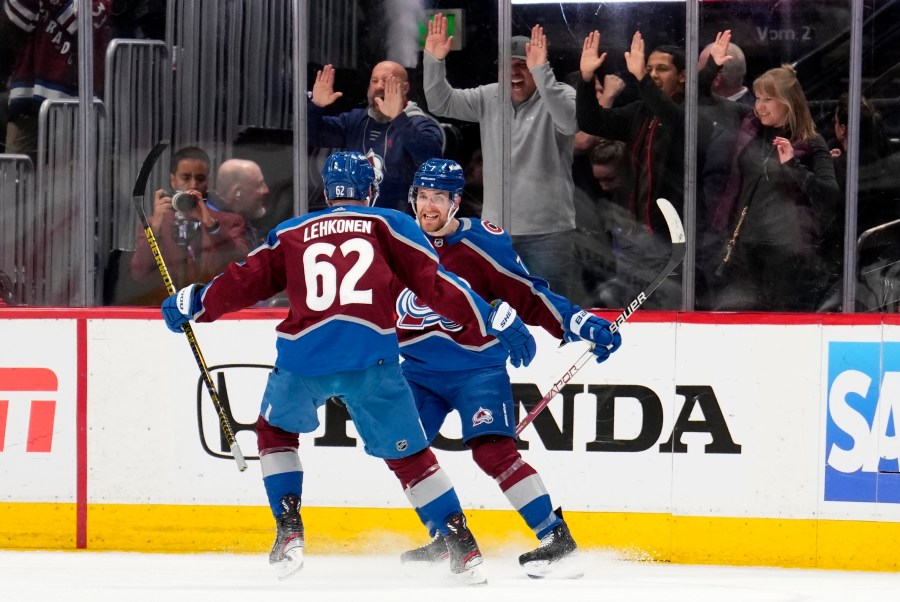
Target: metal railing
17,216
138,97
60,256
232,68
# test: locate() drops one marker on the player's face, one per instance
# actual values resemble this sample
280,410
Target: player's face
523,85
191,174
664,73
433,208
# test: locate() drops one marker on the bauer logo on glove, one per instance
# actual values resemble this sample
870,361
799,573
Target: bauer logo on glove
586,326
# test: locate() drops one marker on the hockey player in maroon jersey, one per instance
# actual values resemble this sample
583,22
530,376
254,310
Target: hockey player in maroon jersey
450,367
339,268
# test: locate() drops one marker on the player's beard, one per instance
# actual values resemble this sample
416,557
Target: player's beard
442,226
431,226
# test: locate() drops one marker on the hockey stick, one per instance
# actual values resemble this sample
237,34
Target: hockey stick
138,197
676,231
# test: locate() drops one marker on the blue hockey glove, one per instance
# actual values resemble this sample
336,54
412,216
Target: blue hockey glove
512,333
179,308
582,325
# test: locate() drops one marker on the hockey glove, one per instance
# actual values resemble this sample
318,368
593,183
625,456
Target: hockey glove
512,333
582,325
181,307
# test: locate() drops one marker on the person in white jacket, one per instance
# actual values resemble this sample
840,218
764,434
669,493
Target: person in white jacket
543,135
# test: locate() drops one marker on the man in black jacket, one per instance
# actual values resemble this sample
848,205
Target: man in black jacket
652,128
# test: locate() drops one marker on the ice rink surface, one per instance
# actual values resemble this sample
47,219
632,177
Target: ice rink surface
108,577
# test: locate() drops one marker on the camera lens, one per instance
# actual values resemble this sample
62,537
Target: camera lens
183,201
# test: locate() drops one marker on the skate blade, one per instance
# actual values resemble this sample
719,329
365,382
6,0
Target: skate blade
473,575
424,569
568,567
290,565
421,562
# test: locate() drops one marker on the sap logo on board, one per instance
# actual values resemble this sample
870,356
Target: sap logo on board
31,386
862,447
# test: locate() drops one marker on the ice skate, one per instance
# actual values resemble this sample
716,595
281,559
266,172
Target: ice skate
286,556
555,557
432,552
465,557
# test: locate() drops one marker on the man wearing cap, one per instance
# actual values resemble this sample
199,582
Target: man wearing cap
543,135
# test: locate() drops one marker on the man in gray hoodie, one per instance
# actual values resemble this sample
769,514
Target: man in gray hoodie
543,135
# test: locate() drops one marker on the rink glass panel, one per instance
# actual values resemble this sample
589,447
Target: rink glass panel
196,72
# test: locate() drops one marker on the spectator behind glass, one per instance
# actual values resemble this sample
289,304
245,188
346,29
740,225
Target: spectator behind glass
729,82
652,128
780,193
393,132
46,64
593,242
609,165
879,180
609,217
606,91
241,188
878,202
543,131
195,244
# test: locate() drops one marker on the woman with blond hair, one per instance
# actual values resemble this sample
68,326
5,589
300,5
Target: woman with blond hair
779,194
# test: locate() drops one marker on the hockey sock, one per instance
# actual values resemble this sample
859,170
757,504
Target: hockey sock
432,530
427,488
520,483
280,463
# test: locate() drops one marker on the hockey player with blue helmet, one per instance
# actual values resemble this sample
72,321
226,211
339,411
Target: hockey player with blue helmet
349,175
340,268
449,370
439,175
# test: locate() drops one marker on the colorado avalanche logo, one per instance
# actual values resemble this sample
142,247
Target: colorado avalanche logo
491,227
413,315
482,416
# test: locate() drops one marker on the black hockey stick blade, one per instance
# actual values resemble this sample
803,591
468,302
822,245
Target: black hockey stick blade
676,232
140,184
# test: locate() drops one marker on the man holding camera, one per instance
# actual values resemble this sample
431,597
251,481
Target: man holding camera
196,239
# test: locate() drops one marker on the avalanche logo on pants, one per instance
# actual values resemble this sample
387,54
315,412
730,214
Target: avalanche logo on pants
862,444
482,416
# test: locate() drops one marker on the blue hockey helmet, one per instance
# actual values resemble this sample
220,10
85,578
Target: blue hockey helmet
439,174
348,175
